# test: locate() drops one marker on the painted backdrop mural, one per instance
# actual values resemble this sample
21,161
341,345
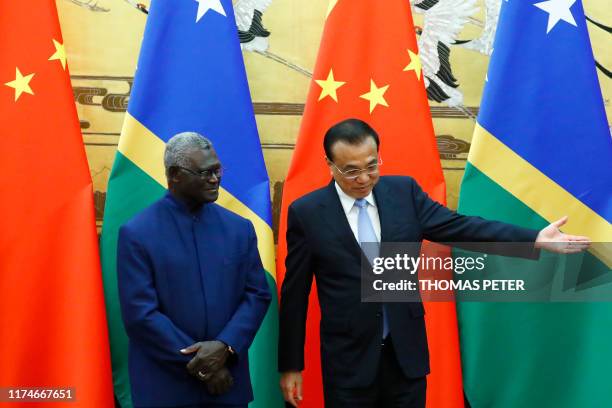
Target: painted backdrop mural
280,40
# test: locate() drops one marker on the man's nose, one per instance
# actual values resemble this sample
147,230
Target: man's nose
364,177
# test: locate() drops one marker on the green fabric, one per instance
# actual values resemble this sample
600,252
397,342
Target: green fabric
263,358
532,355
129,191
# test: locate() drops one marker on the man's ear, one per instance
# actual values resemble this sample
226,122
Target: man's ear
329,164
173,175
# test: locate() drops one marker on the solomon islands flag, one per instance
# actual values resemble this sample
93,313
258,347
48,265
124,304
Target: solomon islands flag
191,77
541,150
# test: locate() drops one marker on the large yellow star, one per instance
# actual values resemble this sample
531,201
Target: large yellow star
415,64
21,84
376,96
329,86
60,53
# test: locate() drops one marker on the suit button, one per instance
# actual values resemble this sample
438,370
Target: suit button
379,314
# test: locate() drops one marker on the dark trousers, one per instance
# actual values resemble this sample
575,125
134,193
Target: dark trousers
391,389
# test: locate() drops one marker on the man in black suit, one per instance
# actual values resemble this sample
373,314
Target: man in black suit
372,354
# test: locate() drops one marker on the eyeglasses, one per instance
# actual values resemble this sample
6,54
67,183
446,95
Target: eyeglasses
353,174
205,174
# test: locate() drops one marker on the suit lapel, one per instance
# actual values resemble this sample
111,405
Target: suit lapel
334,218
384,204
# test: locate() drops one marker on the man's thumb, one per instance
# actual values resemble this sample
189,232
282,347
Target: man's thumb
561,222
191,349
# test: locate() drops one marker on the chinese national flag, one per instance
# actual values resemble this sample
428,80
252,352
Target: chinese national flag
368,68
52,320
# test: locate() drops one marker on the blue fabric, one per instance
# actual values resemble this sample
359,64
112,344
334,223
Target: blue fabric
542,99
185,278
367,236
191,77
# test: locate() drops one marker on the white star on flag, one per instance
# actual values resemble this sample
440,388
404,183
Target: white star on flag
557,10
205,5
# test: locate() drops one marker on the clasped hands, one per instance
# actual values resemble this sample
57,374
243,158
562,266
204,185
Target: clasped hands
208,365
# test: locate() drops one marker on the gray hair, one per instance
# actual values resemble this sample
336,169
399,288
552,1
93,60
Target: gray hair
180,145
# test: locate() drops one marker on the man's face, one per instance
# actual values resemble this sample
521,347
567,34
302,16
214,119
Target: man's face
193,187
347,158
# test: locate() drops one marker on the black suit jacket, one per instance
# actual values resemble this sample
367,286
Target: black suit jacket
321,244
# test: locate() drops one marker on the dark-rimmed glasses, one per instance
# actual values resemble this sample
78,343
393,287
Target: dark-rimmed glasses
204,174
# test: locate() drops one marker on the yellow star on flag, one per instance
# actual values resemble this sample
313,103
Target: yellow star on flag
329,86
60,53
330,7
21,84
415,64
376,96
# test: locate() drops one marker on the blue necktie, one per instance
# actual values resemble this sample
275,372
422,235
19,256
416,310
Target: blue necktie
366,234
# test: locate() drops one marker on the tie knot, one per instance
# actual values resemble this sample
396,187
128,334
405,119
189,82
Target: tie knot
361,203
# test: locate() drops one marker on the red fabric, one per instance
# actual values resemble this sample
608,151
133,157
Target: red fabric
367,40
52,318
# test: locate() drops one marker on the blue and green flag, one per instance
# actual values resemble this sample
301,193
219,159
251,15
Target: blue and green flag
191,77
541,150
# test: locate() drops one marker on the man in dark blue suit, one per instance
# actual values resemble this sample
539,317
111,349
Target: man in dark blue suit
373,355
192,288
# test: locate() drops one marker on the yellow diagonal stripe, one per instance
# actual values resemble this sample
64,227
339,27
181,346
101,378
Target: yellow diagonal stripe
143,148
265,237
538,191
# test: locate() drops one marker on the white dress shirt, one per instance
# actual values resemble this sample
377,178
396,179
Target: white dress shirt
352,211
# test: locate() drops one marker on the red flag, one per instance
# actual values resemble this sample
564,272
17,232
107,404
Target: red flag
52,318
368,68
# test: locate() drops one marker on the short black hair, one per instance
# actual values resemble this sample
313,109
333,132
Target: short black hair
351,131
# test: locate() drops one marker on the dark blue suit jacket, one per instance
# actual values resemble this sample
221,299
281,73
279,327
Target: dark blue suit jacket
320,243
185,278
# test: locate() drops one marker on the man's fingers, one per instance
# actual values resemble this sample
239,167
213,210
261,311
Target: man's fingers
291,386
289,393
205,363
204,366
211,364
567,244
195,365
575,246
220,383
191,349
578,239
291,399
574,250
561,222
580,245
203,376
299,391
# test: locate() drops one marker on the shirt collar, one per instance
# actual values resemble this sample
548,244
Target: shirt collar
348,202
181,207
